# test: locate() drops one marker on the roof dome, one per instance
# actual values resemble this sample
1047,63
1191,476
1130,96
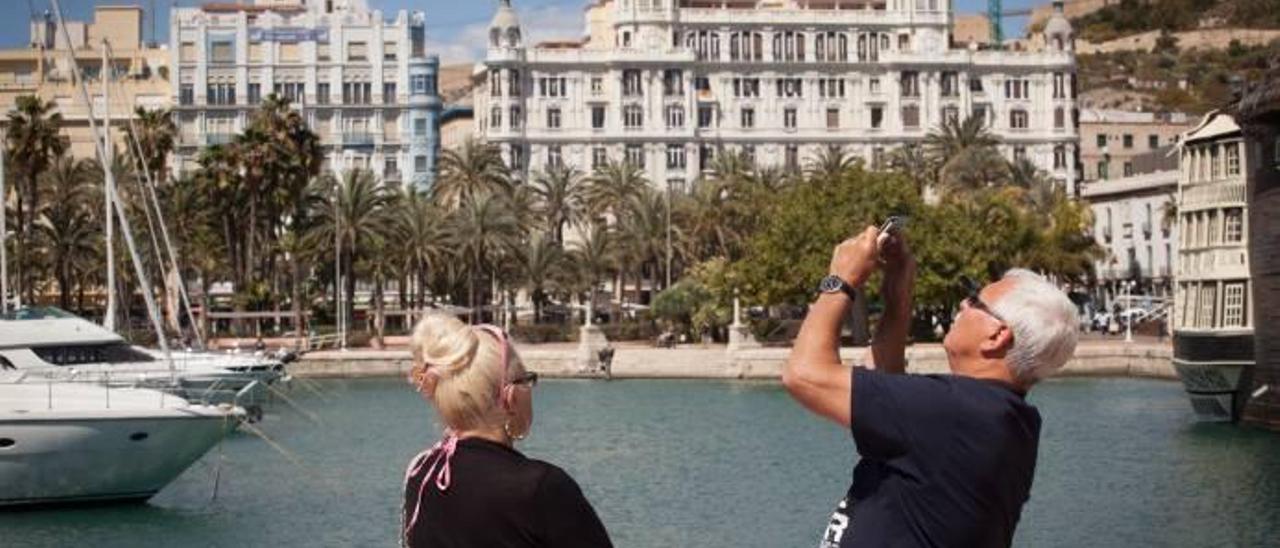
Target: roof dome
1057,30
505,18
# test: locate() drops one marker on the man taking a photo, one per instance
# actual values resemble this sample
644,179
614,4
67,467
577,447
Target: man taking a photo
946,460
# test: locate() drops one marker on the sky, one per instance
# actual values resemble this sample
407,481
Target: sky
455,31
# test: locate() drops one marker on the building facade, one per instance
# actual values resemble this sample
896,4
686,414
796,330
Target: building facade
668,85
1213,305
364,84
110,52
1111,140
1133,222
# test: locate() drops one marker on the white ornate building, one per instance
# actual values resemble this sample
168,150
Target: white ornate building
364,84
668,83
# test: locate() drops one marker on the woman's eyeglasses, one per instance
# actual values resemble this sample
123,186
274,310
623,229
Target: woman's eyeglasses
973,297
529,378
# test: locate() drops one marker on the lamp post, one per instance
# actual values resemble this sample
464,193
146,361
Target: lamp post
1128,317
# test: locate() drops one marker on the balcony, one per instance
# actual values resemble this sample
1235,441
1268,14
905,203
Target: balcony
211,139
357,139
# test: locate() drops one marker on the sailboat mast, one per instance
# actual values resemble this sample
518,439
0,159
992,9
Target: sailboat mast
118,205
4,232
108,315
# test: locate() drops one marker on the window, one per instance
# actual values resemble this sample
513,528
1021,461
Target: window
322,52
597,85
222,51
1102,140
517,157
597,117
388,51
672,83
790,87
418,84
1153,142
676,186
1208,294
833,118
1059,118
553,156
417,41
635,155
788,46
632,116
1233,305
877,117
419,164
910,83
705,44
1059,85
1019,153
631,85
873,86
599,157
553,117
357,51
322,93
221,94
1104,168
831,87
1017,89
975,85
255,93
675,157
388,93
702,84
911,116
517,117
950,84
675,116
390,167
748,117
186,94
187,52
1018,119
706,155
789,118
1233,231
513,82
951,113
1233,159
1128,140
746,87
791,158
1059,157
706,116
552,87
420,124
357,93
1128,169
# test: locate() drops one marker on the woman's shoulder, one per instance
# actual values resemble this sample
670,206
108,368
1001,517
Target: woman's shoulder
553,480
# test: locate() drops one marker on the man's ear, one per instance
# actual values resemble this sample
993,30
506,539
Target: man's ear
998,342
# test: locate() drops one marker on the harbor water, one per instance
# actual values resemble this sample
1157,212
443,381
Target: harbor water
692,463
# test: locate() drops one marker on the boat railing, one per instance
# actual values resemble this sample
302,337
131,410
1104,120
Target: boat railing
54,378
159,379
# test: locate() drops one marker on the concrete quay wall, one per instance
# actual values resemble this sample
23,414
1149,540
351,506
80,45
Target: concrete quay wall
1103,358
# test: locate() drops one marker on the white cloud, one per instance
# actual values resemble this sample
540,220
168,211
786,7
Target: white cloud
468,43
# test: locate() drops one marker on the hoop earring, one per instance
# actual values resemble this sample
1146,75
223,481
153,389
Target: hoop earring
506,428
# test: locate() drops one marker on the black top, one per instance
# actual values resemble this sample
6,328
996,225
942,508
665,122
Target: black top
946,461
498,498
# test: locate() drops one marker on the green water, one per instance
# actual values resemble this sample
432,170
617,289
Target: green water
676,464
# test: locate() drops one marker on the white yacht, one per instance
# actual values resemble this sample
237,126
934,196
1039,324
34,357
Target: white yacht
52,343
66,442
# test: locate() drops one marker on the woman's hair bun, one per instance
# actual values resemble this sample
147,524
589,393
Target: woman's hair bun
443,344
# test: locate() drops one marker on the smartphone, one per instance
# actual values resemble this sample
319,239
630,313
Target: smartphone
893,225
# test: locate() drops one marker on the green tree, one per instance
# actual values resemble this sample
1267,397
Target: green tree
355,210
482,229
609,188
69,225
560,198
34,144
476,168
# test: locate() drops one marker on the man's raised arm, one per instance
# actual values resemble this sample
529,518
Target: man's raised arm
889,344
813,374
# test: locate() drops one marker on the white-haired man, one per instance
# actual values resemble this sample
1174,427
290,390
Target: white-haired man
946,460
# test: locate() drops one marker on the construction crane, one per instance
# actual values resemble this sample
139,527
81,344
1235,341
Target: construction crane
996,14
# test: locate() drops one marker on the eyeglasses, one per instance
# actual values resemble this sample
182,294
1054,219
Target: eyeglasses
973,297
530,378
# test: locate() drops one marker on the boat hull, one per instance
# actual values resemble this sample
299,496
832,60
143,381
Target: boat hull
1211,366
61,458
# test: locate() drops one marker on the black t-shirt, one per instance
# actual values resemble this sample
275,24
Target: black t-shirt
498,498
946,461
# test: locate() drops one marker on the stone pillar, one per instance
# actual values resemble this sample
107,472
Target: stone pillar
740,336
591,340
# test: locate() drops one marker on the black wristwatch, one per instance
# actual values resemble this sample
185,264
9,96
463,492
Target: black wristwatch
833,283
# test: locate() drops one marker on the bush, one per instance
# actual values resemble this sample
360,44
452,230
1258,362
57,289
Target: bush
543,333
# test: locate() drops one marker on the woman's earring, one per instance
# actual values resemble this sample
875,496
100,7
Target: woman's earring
506,427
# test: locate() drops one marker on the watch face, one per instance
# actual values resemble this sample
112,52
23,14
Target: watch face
830,284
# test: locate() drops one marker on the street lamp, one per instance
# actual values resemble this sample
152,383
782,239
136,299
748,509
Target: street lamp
1128,316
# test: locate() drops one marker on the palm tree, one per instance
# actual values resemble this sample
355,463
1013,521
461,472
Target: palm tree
69,224
965,153
356,211
954,136
1033,185
560,198
915,163
612,185
643,232
707,217
481,229
156,135
474,169
34,143
423,238
829,164
592,256
541,262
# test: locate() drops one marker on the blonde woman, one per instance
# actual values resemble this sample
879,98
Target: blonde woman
473,488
